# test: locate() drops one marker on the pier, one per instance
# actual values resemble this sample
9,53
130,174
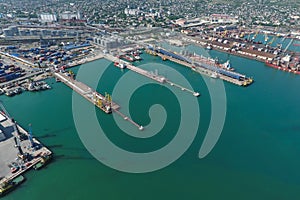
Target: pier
19,152
155,77
196,94
102,102
83,60
202,70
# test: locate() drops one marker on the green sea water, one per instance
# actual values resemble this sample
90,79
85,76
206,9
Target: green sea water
256,157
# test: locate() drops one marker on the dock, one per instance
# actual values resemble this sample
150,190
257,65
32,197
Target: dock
196,94
155,77
102,102
200,69
83,60
16,152
91,95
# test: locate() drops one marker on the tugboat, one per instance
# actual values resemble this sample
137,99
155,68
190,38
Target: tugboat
10,93
209,47
137,57
45,159
8,185
214,75
128,58
120,65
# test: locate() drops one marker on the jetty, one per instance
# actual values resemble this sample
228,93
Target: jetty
19,151
154,76
104,103
201,67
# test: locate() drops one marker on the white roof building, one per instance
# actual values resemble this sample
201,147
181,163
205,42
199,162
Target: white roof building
48,18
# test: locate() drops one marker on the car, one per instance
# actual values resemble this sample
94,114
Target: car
14,169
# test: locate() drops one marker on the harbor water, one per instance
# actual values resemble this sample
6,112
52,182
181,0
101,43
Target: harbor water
256,157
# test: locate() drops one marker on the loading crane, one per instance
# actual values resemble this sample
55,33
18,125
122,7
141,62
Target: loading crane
266,38
224,34
282,39
254,36
30,136
272,40
286,48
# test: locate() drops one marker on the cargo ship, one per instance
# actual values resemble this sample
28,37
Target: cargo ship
216,72
286,63
128,58
8,185
205,66
213,62
136,55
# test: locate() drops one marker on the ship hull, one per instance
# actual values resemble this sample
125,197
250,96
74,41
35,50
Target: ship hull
282,68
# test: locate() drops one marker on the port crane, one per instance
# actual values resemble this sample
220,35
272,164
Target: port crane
224,33
286,48
272,40
254,36
30,136
282,40
240,33
266,38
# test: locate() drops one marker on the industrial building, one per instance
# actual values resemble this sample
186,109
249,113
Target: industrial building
68,15
109,42
15,31
48,18
11,31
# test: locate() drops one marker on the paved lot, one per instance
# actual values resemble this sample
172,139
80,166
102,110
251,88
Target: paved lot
8,152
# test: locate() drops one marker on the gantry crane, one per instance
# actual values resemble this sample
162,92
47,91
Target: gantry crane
286,48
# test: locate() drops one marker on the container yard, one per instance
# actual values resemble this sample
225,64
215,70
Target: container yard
275,56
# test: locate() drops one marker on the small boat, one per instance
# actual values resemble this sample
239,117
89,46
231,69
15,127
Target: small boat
14,169
137,57
45,159
8,185
10,93
17,91
214,75
120,65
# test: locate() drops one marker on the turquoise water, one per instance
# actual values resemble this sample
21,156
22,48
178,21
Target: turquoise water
256,157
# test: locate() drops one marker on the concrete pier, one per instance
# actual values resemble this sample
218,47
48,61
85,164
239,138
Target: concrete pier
9,154
155,77
196,94
128,119
88,93
94,97
204,71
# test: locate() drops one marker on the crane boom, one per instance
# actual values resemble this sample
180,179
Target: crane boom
289,45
